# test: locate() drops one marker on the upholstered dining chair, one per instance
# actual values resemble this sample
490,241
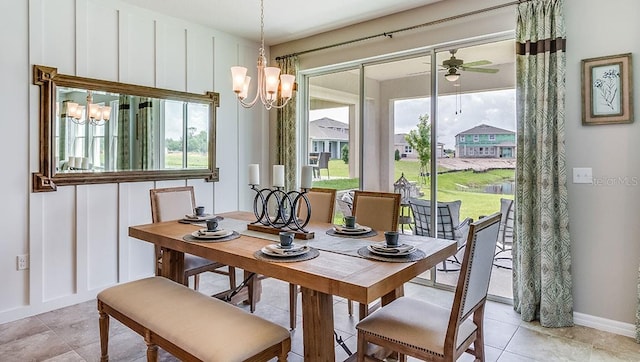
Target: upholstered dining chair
417,328
322,202
448,221
173,203
379,211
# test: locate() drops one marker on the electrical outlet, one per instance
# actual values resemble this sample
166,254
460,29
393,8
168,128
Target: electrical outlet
23,261
582,175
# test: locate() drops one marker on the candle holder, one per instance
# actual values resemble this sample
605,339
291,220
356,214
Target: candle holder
285,214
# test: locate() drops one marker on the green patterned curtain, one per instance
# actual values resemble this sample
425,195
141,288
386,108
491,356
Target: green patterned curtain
542,251
144,133
286,128
123,157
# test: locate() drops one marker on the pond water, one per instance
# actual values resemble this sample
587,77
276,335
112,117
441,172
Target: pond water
504,188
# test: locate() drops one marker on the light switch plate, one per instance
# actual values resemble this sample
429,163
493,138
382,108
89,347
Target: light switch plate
582,175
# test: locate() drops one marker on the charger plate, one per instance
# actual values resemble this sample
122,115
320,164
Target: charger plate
191,238
414,256
312,253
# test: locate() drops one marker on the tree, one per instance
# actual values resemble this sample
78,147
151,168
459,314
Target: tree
420,141
345,153
396,155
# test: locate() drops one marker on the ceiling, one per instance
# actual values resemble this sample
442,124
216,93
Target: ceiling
284,20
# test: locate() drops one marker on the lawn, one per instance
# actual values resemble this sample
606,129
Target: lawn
460,185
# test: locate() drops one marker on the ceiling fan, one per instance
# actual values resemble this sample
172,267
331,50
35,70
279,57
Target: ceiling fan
453,64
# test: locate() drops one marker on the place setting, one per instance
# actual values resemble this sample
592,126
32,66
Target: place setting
350,228
392,250
199,216
287,250
212,233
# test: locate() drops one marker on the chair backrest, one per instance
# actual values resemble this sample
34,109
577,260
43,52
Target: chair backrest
377,210
322,203
475,272
505,235
446,222
323,159
171,203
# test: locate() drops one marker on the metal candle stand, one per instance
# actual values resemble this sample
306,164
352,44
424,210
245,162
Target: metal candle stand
285,201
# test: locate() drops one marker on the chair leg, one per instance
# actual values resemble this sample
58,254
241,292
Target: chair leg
152,348
232,277
196,281
350,306
478,344
293,305
104,336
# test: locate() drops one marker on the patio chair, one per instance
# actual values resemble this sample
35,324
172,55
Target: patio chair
505,235
420,329
322,203
448,221
323,164
173,203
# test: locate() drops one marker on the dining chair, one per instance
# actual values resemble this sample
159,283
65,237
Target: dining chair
379,211
505,235
429,332
322,202
448,221
173,203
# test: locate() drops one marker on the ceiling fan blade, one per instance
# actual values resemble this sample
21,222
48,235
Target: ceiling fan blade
476,63
480,70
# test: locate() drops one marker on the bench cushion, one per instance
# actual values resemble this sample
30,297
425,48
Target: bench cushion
207,328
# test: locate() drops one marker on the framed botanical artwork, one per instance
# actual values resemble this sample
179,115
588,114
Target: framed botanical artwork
607,94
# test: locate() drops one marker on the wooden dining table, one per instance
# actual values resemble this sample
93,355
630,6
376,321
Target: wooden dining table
332,273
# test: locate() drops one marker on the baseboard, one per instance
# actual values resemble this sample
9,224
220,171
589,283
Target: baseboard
603,324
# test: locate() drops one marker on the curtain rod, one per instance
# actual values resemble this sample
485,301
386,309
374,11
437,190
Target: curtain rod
389,34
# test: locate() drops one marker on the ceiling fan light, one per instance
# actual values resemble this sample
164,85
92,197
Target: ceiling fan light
452,77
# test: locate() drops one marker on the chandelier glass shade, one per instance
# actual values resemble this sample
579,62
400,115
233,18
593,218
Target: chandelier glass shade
270,81
94,114
452,75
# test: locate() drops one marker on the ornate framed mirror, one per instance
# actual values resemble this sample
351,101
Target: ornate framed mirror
97,131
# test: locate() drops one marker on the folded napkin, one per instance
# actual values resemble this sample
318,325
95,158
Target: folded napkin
402,248
357,227
276,248
220,233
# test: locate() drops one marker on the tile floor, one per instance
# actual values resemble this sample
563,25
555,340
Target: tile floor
71,333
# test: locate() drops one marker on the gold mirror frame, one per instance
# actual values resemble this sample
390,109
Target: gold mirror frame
47,78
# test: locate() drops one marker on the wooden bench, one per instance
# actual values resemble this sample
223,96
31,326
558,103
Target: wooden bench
188,324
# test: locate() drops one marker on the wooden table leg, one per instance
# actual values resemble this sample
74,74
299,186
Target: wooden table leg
173,265
317,326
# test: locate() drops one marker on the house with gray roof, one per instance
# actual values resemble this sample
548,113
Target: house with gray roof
406,151
328,135
484,141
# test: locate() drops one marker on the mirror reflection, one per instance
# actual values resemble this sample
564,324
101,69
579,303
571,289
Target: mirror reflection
104,131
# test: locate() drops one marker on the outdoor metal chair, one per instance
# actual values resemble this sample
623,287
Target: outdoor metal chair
448,221
323,164
505,235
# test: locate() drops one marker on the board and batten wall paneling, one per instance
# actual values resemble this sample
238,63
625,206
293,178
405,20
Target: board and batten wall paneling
171,50
59,243
14,143
100,237
137,47
98,29
58,35
136,257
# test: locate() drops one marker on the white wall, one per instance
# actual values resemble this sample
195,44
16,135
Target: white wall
77,237
603,219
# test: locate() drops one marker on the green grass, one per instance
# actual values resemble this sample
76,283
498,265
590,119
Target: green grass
194,160
460,185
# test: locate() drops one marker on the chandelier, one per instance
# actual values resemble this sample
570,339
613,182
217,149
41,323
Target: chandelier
94,114
269,79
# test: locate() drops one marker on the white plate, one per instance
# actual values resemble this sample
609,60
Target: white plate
285,254
359,229
391,251
222,234
202,218
277,247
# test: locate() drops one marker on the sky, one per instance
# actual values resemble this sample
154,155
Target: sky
494,108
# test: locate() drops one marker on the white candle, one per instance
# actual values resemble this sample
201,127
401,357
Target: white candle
278,175
254,174
307,175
